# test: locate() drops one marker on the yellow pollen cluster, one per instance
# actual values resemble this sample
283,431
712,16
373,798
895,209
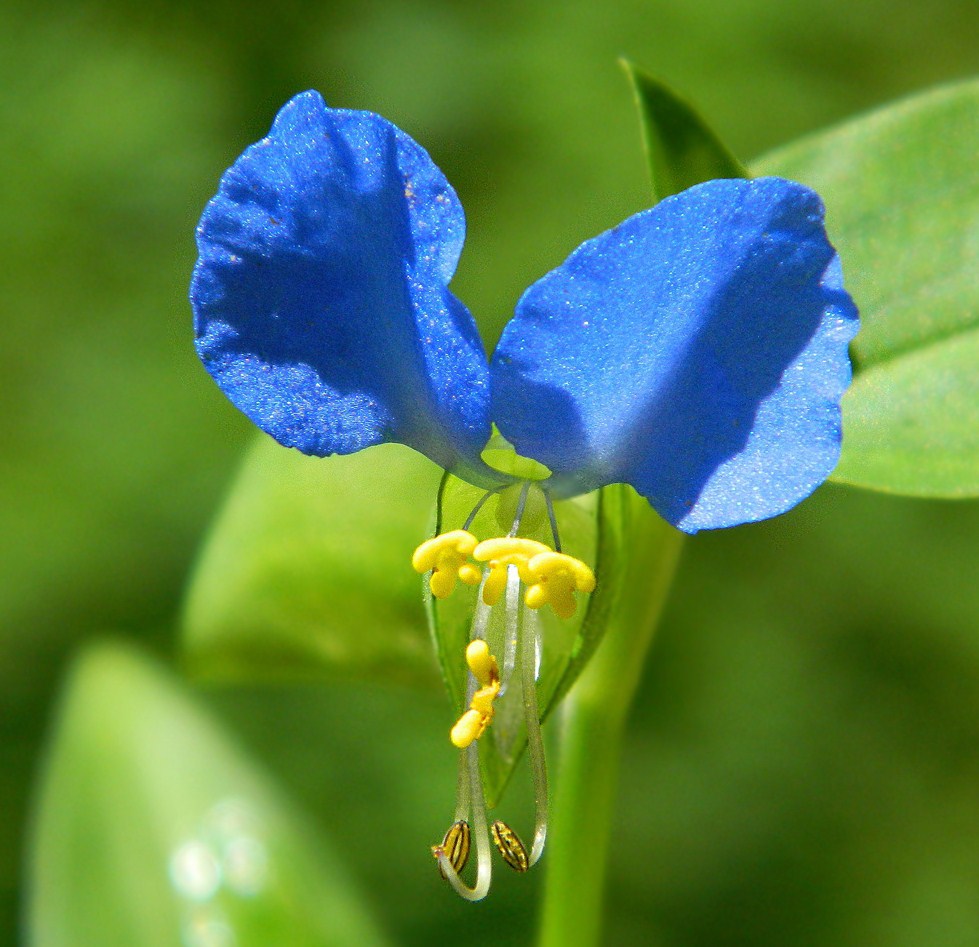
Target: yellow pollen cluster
473,723
551,578
500,553
447,556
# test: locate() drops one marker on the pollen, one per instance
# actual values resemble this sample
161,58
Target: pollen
473,723
500,553
553,578
447,556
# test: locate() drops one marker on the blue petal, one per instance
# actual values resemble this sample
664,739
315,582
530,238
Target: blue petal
320,295
698,351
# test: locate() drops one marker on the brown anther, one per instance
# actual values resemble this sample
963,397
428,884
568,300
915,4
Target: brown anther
509,846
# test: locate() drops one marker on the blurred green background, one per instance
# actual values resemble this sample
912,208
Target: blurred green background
803,763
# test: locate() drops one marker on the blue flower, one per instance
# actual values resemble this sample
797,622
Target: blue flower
697,351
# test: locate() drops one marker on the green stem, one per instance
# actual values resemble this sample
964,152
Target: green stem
593,720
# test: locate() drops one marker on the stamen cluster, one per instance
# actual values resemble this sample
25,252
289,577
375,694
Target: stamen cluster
503,567
551,577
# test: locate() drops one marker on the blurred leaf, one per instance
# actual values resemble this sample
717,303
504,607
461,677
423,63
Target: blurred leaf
902,203
681,148
593,528
308,569
154,830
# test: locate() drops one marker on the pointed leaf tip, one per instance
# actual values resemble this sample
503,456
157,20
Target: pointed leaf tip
681,148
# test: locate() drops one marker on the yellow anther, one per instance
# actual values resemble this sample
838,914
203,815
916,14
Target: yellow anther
553,578
482,663
554,563
447,558
502,552
495,583
505,546
469,727
473,723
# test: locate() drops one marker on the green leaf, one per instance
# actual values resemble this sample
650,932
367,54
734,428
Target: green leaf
154,830
903,210
592,528
681,148
307,571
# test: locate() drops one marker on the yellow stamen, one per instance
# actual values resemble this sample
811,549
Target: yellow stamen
446,556
473,723
482,663
469,728
553,578
502,552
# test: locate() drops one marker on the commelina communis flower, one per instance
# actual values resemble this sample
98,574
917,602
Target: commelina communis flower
697,351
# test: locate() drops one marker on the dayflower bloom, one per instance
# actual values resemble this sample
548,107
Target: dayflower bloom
697,351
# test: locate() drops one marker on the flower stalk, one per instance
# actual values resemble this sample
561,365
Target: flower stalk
593,721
